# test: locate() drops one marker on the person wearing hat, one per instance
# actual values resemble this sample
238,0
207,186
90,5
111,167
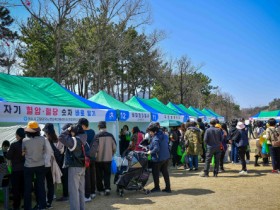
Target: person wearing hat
212,139
104,147
33,148
242,142
17,179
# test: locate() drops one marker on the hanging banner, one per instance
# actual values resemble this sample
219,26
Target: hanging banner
14,112
134,116
160,117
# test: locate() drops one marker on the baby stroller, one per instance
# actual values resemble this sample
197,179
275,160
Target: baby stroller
132,174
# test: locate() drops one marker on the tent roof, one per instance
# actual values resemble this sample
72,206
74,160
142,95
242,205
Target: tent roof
212,112
88,102
152,105
268,114
197,111
190,112
161,107
139,104
36,90
177,108
106,100
207,113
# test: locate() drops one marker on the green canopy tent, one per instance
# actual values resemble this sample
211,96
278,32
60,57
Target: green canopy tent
183,110
128,115
158,110
42,99
208,112
265,115
23,99
126,112
193,114
36,90
208,115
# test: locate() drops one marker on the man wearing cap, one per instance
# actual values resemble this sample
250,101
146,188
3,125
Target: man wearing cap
33,148
212,139
104,146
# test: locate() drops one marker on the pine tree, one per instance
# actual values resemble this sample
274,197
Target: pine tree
6,36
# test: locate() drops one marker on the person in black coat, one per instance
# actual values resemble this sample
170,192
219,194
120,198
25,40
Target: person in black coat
15,155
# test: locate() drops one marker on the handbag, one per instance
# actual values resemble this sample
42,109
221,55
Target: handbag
114,166
276,142
87,160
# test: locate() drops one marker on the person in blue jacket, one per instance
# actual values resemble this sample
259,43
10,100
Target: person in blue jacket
160,155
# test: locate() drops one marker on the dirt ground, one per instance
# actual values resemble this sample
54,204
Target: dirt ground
228,191
260,189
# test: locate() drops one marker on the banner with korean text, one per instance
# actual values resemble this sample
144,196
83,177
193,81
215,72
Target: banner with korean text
156,117
14,112
129,116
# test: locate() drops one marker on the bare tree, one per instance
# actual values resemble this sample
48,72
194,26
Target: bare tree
9,59
120,14
187,82
53,14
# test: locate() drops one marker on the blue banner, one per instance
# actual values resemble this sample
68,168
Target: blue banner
154,117
111,115
124,115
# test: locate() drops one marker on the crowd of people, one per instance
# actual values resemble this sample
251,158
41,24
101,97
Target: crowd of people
81,159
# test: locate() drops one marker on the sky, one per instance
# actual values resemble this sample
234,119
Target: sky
238,41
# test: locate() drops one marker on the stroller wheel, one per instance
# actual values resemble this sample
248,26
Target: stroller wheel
147,192
121,193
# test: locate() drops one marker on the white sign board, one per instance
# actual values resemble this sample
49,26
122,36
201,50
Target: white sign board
160,117
14,112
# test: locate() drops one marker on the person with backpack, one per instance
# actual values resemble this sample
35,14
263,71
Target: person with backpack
90,176
194,145
103,148
74,140
272,135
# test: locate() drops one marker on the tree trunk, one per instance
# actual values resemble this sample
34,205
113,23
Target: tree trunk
57,54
